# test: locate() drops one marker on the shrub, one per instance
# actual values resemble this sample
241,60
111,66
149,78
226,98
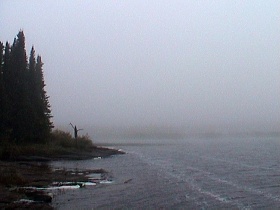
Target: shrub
64,139
9,151
60,143
84,143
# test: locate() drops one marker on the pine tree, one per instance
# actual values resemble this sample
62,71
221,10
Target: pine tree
40,106
1,64
33,98
2,95
18,87
44,124
25,112
6,66
6,103
31,70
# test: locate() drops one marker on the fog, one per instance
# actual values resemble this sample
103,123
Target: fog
196,66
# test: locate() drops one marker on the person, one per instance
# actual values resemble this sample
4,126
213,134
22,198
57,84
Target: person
75,130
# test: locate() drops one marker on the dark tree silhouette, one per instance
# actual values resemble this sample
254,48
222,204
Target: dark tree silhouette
32,94
25,112
2,95
6,103
42,109
18,87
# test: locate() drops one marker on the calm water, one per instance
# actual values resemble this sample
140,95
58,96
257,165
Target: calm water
194,173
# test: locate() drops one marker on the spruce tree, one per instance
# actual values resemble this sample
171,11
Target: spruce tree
44,124
6,102
2,96
1,64
25,114
33,98
41,113
18,87
6,64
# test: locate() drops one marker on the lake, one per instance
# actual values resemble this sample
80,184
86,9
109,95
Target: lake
194,173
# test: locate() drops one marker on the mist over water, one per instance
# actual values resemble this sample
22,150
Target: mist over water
188,89
191,66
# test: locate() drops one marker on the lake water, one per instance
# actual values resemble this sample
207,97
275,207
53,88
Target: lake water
192,173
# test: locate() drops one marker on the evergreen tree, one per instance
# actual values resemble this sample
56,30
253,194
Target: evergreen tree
31,70
44,124
18,87
25,113
6,64
31,79
1,64
41,108
6,103
2,95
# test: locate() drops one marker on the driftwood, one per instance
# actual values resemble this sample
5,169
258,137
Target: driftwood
127,181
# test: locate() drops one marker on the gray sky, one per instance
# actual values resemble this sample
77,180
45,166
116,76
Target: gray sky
196,64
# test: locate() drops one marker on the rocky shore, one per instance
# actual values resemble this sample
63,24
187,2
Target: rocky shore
28,182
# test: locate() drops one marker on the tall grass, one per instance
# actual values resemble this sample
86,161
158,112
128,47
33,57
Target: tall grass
60,142
65,140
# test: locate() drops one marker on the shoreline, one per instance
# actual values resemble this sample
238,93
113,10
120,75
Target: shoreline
20,178
97,151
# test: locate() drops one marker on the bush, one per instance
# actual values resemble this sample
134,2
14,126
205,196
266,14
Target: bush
84,143
61,138
9,150
64,139
60,143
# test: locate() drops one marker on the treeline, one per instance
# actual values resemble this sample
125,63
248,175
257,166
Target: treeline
25,114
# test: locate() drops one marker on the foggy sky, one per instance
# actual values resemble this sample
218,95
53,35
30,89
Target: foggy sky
189,64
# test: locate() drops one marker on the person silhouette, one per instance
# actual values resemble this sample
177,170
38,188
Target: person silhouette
75,130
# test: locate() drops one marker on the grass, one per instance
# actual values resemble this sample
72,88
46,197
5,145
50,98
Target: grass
65,140
60,143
